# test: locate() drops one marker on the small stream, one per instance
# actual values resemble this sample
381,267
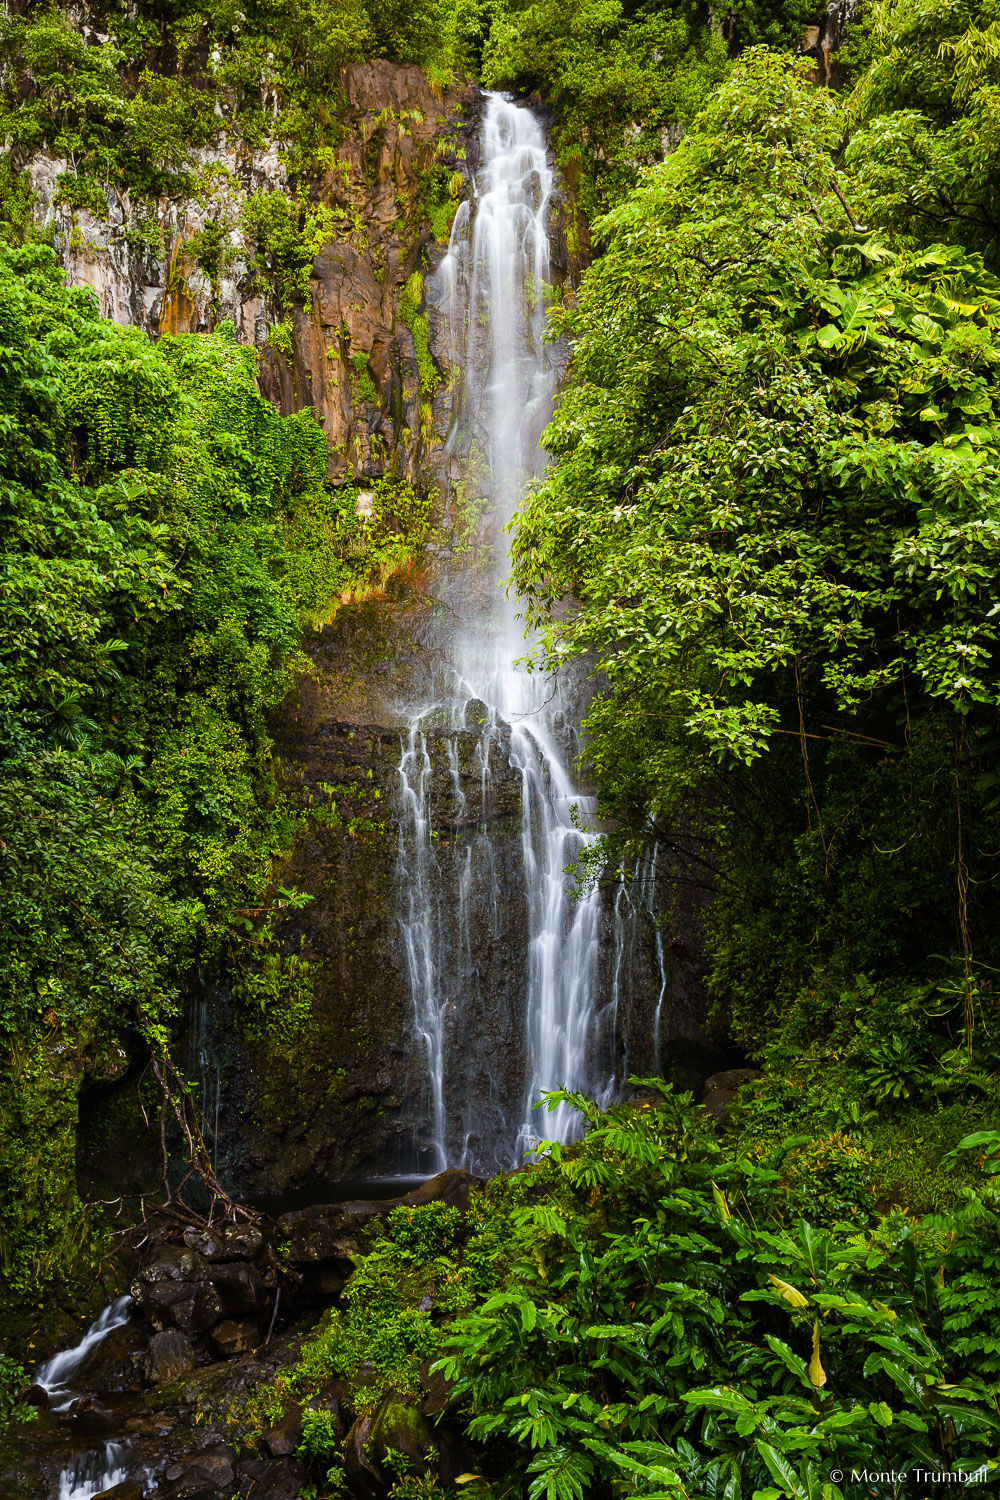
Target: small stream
64,1377
90,1473
57,1376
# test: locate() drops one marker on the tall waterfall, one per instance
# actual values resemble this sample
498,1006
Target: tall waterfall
492,287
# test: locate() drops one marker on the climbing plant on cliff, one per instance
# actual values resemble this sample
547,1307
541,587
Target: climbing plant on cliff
162,532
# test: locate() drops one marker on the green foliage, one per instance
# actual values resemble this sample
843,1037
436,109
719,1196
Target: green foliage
411,300
652,1305
16,222
623,82
363,384
319,1434
668,1324
926,143
774,495
13,1379
422,1265
133,112
283,236
163,533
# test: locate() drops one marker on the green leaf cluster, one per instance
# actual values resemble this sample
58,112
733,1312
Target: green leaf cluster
774,498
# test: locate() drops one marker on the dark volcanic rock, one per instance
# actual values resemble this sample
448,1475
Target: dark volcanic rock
169,1357
241,1290
208,1475
329,1231
399,1426
229,1242
450,1187
168,1263
261,1479
335,1232
193,1305
236,1336
284,1437
722,1089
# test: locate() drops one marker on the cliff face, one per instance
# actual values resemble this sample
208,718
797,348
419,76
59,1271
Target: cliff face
355,346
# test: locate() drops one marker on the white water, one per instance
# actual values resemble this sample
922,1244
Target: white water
91,1473
493,286
57,1375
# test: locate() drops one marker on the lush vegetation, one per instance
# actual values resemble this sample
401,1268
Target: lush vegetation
172,78
773,503
656,1313
164,534
775,496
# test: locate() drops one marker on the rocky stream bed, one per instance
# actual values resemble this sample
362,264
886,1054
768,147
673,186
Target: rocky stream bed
150,1402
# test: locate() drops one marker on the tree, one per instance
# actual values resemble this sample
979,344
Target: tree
774,497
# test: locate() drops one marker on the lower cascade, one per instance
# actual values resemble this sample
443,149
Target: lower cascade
492,287
91,1474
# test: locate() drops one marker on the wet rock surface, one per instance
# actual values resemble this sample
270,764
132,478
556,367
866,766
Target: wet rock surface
398,1425
337,1231
160,1412
722,1089
395,125
169,1357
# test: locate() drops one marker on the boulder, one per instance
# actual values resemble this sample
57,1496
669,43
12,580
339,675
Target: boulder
127,1490
284,1437
436,1388
240,1289
722,1088
329,1231
326,1280
35,1395
334,1231
451,1187
399,1425
192,1305
228,1242
169,1357
208,1475
168,1263
269,1479
236,1336
731,1078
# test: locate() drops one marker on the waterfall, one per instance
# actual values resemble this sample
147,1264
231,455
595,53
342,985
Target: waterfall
57,1375
203,1059
90,1474
492,289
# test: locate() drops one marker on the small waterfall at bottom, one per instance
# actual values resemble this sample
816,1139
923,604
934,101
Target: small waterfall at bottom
89,1474
503,957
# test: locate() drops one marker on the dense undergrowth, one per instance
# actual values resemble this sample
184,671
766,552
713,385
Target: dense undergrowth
774,498
664,1311
165,536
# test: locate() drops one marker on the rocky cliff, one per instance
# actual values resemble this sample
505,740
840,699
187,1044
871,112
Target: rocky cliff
354,343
